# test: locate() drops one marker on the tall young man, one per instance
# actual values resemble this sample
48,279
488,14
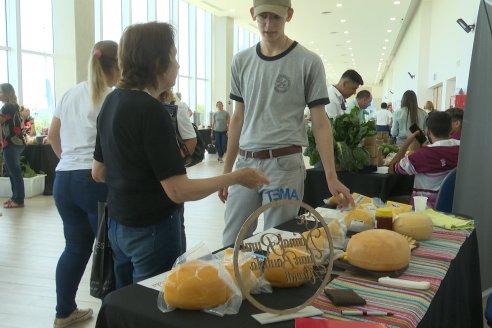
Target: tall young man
272,83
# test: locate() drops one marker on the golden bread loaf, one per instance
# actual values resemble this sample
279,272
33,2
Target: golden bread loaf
248,276
378,250
317,238
415,225
195,285
292,268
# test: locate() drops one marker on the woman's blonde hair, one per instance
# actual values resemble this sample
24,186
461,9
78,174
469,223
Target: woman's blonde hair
9,93
102,65
167,97
429,105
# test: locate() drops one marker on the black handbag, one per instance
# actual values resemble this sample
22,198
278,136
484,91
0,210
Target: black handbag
199,152
102,273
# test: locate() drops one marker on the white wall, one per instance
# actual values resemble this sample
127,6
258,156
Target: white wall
73,32
435,49
222,49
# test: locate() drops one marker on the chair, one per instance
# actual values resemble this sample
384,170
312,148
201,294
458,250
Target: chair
488,310
444,200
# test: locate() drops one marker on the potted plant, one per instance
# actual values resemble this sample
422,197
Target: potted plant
348,133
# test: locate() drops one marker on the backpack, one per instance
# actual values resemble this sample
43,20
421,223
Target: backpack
199,152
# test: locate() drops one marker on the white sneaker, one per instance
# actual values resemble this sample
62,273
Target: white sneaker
76,316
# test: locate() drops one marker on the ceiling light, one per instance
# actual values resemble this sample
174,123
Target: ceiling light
343,20
392,19
348,41
311,42
382,54
384,48
345,32
389,31
380,59
232,10
396,2
339,5
351,55
386,40
465,26
350,48
317,49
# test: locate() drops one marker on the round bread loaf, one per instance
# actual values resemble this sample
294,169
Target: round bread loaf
416,225
292,268
195,285
378,250
249,277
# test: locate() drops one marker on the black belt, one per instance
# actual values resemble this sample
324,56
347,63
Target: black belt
271,153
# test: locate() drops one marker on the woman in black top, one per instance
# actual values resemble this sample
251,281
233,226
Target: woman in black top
137,156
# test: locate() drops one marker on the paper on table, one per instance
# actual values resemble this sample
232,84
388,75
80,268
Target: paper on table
265,318
382,170
155,282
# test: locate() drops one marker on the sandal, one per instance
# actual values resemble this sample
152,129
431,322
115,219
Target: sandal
12,204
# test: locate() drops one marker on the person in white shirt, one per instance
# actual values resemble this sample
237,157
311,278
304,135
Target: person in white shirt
383,118
362,101
72,136
182,106
338,93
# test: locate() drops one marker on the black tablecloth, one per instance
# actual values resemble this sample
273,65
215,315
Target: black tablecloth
205,134
383,186
457,303
42,158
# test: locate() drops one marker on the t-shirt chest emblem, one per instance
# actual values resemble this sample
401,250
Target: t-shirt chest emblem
282,84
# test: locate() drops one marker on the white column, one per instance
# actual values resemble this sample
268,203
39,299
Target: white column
222,49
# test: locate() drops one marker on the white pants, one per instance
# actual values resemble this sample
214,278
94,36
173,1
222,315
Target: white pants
286,174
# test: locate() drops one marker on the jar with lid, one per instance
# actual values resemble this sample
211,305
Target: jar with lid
384,218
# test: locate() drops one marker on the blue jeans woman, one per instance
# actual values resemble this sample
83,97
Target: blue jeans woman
11,157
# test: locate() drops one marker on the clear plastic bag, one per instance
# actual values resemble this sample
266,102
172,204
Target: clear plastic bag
199,281
252,278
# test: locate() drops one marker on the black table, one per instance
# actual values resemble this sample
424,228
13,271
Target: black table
384,186
42,158
457,303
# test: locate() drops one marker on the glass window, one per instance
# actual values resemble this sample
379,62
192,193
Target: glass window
183,40
201,29
36,25
183,88
111,20
200,101
3,23
38,86
139,11
3,67
163,13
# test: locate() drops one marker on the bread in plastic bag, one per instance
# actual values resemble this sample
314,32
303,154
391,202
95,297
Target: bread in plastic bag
199,281
253,279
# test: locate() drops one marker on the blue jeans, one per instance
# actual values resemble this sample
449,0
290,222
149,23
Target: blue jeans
76,195
11,157
220,142
143,252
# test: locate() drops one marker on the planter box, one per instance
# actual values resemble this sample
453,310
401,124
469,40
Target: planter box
33,186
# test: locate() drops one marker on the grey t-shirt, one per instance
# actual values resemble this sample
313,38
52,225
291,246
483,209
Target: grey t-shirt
275,91
220,121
